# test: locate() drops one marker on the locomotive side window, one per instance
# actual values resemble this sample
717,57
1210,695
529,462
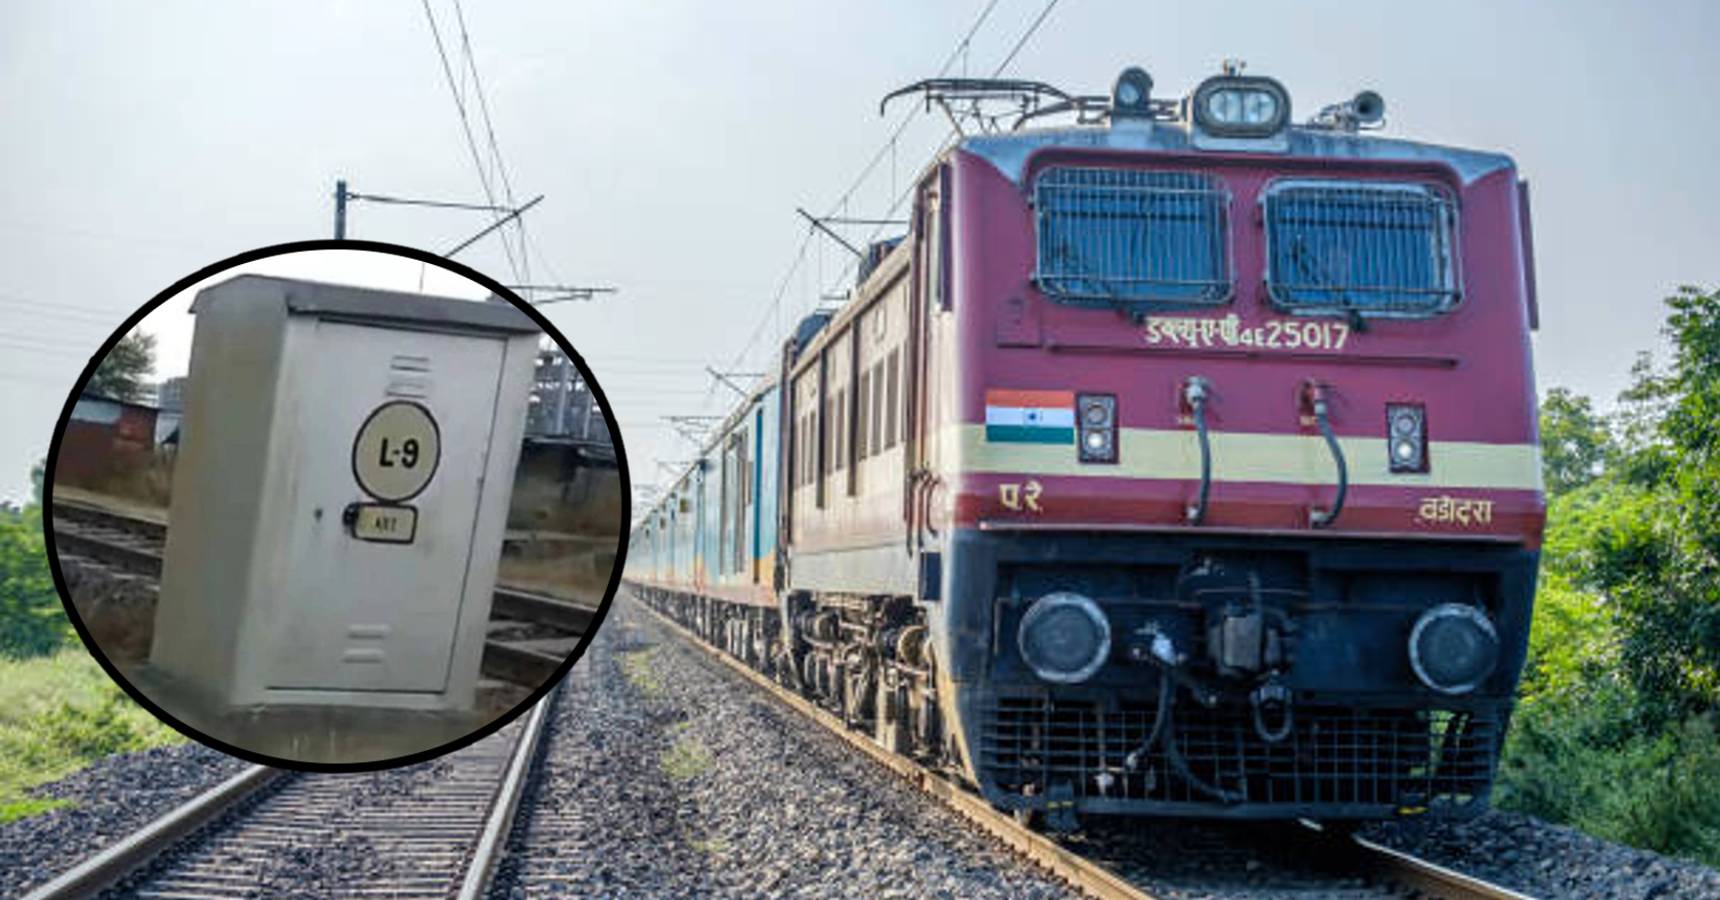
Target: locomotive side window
1360,247
936,247
1131,238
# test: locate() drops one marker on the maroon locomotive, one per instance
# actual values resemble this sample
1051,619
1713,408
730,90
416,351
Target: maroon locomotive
1179,461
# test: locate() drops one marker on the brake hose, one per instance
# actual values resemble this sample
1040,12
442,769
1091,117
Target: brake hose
1180,766
1164,733
1196,393
1167,695
1322,518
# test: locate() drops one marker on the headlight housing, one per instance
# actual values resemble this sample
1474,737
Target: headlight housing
1453,648
1096,427
1241,106
1064,637
1406,437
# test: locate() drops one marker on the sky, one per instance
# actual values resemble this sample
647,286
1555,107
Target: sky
672,142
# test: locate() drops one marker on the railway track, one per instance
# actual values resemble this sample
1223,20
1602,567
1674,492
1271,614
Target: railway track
1387,872
530,634
434,830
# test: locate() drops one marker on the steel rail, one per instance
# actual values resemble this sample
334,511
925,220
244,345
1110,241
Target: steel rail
492,844
1381,863
131,558
140,847
1427,878
567,615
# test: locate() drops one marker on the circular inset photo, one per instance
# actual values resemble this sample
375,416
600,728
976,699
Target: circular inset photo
336,505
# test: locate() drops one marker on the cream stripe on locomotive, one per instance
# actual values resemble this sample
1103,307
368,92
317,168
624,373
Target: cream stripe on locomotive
1238,456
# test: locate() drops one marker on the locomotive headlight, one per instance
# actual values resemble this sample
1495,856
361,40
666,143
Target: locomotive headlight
1453,648
1064,637
1406,437
1096,422
1241,106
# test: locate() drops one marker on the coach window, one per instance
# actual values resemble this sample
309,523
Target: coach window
737,462
863,400
876,434
724,498
892,413
835,430
808,456
829,440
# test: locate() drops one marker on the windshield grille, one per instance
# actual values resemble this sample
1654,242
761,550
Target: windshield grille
1123,237
1363,248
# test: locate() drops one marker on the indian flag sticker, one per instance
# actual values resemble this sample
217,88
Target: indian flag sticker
1030,417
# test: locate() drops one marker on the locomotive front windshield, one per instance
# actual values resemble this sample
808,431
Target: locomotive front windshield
1140,239
1126,237
1362,248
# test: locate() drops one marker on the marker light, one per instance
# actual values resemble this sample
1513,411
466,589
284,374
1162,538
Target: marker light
1241,106
1064,637
1406,437
1096,421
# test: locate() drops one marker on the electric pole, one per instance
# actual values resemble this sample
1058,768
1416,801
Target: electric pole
340,196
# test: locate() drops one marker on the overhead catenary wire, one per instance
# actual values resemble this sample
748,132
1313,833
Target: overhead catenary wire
884,151
887,150
490,132
466,128
953,134
64,310
1025,37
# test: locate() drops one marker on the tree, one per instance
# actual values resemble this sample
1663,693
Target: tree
1575,441
31,619
1654,550
122,373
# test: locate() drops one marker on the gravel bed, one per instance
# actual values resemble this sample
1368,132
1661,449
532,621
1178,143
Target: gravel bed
667,775
1546,860
110,798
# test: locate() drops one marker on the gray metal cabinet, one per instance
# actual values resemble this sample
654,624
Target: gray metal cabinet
339,500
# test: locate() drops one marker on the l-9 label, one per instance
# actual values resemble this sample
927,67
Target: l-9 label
1273,334
396,451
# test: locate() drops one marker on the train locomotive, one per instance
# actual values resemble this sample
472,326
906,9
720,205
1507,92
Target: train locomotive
1178,461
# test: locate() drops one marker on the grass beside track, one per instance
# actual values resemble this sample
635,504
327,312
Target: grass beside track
58,714
637,666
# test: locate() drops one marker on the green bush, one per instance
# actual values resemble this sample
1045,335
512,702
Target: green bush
32,622
1575,757
58,714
